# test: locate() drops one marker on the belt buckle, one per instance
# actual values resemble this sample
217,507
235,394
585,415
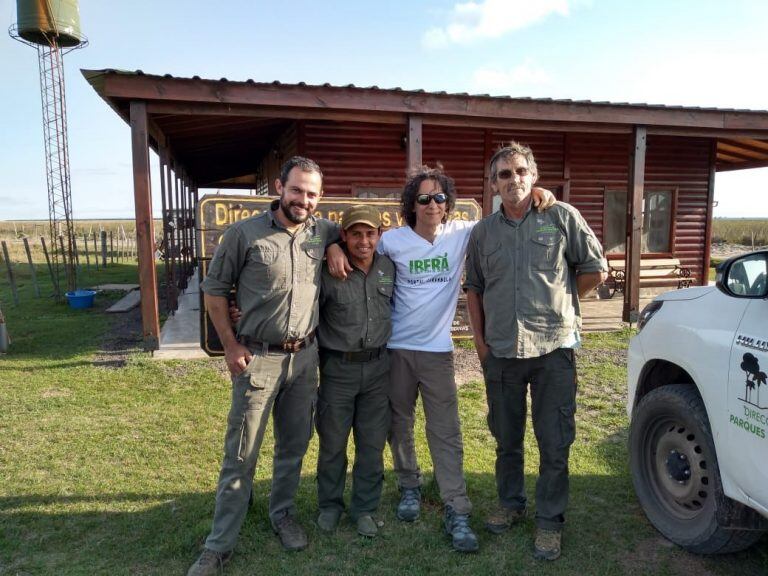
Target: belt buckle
292,346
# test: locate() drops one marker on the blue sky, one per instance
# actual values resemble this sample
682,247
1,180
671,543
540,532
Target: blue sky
697,53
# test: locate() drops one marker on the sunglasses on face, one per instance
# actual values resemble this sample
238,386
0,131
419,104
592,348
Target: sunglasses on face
425,199
507,173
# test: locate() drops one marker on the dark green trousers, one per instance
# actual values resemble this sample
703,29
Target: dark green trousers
352,397
284,385
552,380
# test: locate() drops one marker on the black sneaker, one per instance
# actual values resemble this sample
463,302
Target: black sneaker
463,539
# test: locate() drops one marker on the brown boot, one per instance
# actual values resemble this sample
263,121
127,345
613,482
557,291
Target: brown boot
291,534
210,563
547,544
501,519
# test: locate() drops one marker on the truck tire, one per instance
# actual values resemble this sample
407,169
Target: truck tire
675,472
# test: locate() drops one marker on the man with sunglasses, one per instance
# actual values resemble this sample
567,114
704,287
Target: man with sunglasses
429,254
525,273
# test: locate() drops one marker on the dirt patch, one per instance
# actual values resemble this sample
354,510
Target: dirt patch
647,558
466,366
122,338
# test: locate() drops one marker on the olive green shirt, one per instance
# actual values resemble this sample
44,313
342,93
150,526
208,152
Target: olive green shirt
526,273
356,313
276,273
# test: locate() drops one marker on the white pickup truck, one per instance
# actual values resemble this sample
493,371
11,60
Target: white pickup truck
698,406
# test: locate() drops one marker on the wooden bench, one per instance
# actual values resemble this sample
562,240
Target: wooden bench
654,272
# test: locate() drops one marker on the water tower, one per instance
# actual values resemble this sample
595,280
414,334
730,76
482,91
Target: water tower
53,28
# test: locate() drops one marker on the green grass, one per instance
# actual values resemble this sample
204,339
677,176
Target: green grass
113,470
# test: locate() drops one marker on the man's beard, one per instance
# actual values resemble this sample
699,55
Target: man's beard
286,208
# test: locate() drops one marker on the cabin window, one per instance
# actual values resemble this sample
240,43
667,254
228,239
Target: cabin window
658,212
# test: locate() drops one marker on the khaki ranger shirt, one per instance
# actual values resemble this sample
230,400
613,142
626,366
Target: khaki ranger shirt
355,314
277,274
526,273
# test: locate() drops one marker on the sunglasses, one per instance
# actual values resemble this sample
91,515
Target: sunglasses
425,199
506,174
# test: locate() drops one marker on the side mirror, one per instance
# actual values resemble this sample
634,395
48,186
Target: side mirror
744,276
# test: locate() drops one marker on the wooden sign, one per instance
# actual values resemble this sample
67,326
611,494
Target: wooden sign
216,213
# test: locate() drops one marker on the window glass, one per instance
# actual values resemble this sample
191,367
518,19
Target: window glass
657,220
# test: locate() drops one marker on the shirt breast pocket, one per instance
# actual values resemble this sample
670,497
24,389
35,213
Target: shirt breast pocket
546,252
492,261
313,264
267,267
384,300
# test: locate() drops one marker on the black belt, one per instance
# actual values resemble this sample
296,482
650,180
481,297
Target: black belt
290,346
365,355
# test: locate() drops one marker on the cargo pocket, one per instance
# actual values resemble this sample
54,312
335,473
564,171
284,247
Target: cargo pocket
546,252
567,425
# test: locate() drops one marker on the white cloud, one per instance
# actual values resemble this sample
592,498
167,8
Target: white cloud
522,80
472,21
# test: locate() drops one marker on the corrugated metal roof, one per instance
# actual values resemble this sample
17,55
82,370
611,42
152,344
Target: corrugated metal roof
444,93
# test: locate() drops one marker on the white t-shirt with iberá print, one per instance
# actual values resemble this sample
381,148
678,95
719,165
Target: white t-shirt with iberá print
426,284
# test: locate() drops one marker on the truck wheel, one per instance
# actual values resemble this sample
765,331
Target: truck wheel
675,473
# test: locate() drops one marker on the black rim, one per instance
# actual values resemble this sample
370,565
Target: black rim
674,461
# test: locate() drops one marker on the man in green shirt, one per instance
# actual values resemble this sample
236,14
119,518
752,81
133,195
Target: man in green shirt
274,260
525,273
354,373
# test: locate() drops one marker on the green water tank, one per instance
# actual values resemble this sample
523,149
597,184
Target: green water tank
41,20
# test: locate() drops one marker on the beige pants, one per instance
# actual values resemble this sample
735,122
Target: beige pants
431,374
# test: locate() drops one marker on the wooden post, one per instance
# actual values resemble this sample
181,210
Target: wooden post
414,142
31,267
142,192
710,206
11,278
87,253
487,155
635,224
103,248
111,247
95,251
54,280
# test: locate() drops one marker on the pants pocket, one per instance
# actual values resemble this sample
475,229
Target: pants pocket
567,425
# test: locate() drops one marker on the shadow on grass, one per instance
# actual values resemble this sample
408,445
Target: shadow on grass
162,533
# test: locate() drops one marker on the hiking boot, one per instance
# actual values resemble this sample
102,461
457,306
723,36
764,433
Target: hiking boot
547,544
328,519
410,504
457,527
210,563
366,526
501,519
291,534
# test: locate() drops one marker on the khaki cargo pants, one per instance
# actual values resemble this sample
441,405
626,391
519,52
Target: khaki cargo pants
286,385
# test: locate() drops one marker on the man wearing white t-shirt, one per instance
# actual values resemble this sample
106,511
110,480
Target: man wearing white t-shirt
429,256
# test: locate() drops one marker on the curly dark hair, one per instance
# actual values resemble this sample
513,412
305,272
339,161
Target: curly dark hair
411,190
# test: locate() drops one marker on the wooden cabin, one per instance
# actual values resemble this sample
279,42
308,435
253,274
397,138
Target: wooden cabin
642,175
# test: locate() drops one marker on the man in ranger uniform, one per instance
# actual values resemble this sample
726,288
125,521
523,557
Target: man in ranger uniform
525,273
274,259
354,374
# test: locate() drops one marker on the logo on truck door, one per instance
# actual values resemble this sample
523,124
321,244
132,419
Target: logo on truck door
753,419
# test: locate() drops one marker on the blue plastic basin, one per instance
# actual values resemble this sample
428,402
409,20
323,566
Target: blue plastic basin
80,298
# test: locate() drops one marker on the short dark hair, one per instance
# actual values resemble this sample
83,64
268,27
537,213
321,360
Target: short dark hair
305,164
514,149
411,190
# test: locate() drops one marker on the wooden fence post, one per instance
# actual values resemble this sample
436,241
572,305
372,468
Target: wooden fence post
95,251
10,274
87,252
103,248
54,280
31,267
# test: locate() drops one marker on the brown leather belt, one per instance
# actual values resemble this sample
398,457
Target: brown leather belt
289,346
360,356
